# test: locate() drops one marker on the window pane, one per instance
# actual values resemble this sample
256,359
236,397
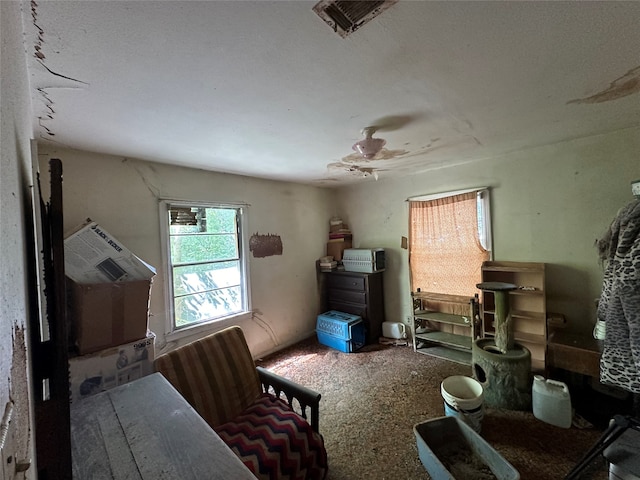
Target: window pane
200,278
202,220
203,248
200,307
220,220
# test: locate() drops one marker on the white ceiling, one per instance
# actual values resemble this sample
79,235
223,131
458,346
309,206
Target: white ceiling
267,89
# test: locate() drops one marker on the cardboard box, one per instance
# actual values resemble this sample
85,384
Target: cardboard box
90,374
93,255
108,290
103,315
336,246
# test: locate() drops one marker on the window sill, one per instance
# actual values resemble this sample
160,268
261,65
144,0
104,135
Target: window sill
203,329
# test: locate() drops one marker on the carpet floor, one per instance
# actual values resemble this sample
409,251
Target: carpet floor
371,399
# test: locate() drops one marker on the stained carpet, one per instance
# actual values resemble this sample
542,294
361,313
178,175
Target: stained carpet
371,399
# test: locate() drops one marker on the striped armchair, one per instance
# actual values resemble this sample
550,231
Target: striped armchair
243,404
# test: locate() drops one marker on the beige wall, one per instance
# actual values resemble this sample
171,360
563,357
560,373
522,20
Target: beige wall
549,205
122,195
15,223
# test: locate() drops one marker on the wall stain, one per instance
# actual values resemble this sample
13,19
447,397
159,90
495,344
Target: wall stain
40,41
355,165
265,245
627,84
19,392
147,174
40,57
383,154
354,170
49,111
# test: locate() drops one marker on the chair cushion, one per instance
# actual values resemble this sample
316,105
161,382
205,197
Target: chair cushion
276,443
215,374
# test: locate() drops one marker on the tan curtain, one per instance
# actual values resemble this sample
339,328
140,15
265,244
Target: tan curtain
445,254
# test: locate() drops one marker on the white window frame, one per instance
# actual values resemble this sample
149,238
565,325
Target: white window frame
216,323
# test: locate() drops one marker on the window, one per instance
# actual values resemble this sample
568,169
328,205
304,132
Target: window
449,238
207,270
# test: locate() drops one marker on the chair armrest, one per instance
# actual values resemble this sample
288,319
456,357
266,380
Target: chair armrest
305,396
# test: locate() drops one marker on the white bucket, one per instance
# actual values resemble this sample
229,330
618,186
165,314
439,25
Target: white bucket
463,398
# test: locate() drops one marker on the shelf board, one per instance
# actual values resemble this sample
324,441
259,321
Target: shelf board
522,314
513,267
444,338
524,337
448,318
441,297
519,291
458,356
538,292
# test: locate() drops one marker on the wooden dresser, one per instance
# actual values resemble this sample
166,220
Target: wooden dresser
358,294
145,430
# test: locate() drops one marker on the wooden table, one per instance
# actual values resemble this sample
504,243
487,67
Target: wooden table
146,430
575,353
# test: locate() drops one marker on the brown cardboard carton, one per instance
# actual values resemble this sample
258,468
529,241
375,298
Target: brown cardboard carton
103,315
336,246
108,289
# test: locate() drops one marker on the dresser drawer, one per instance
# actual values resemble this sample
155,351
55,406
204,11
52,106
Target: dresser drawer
352,296
346,282
352,308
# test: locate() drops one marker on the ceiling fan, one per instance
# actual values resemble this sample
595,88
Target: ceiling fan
370,146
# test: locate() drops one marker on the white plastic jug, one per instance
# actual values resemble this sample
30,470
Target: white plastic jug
393,330
551,402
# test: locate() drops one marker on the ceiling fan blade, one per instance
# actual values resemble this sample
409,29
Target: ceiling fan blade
395,122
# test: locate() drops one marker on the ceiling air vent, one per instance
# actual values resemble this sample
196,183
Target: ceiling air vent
346,16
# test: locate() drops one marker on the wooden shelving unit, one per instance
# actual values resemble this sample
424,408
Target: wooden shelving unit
527,303
444,326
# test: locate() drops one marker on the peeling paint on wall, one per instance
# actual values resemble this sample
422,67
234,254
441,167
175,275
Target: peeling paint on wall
48,113
19,393
627,84
38,45
265,245
397,161
355,165
384,154
40,40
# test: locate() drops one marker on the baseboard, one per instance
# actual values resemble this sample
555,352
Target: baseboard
282,346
